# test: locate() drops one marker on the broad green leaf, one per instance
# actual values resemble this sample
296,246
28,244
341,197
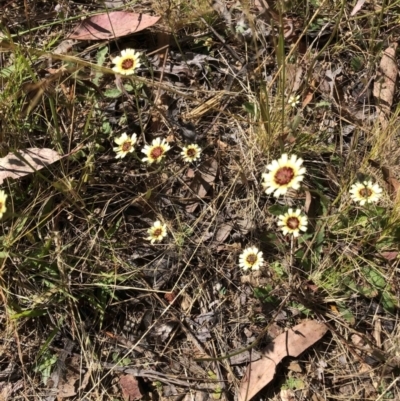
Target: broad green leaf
100,59
374,277
249,108
277,210
278,269
346,314
389,301
112,93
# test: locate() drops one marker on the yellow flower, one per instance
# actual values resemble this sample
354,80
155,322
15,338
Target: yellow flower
156,151
157,232
191,153
125,145
293,222
365,192
283,174
251,258
127,62
3,198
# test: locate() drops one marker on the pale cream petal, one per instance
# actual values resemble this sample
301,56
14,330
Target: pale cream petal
116,60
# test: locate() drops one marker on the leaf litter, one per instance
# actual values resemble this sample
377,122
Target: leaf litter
112,25
290,343
21,163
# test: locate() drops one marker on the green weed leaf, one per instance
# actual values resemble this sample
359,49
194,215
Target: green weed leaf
389,302
374,277
277,210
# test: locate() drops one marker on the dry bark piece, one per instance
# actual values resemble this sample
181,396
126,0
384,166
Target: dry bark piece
24,162
291,343
130,388
112,25
385,83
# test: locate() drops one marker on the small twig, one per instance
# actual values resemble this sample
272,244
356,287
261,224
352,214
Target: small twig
154,375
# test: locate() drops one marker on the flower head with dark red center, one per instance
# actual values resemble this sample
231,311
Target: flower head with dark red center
365,192
3,198
127,62
156,151
283,174
293,222
125,144
157,232
191,153
251,258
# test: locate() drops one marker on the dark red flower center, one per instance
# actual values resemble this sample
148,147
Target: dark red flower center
191,153
365,193
126,146
128,63
157,152
293,223
251,259
284,176
157,232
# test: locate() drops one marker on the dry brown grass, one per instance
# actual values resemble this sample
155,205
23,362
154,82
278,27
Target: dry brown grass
76,270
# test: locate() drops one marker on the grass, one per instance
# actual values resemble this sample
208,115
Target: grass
76,268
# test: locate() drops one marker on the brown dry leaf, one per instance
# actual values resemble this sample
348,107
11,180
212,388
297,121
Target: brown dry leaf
64,47
112,25
291,343
19,164
130,388
394,184
385,83
390,255
308,201
294,366
7,389
294,74
203,181
287,395
223,232
307,98
67,389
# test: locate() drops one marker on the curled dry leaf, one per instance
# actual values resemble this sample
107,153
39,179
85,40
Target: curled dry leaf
19,164
291,343
112,25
